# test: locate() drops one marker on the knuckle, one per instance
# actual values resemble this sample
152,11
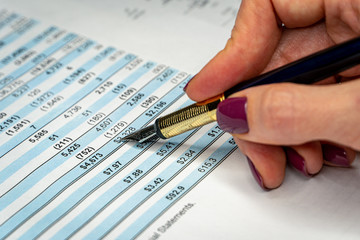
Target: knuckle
280,109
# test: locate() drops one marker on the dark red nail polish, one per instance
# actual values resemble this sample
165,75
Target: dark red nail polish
231,115
256,174
296,160
335,155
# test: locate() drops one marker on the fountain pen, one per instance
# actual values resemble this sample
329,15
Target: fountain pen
307,70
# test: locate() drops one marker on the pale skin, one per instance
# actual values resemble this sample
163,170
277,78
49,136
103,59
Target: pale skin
297,116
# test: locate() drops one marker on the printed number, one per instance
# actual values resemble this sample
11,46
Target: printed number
175,193
207,165
70,150
112,168
157,182
133,176
38,136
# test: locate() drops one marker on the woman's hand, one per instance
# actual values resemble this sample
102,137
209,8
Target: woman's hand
317,124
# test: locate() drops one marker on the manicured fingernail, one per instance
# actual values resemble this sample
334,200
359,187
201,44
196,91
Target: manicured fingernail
256,174
231,115
187,84
335,155
296,161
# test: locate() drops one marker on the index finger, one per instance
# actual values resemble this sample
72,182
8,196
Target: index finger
255,37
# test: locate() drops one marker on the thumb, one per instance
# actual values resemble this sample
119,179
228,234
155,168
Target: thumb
291,114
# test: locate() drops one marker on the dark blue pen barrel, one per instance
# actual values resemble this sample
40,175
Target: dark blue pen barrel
310,69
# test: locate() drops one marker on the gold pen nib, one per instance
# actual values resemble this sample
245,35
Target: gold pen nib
183,120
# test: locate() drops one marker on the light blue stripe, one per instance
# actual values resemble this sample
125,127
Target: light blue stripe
126,158
136,199
68,127
36,60
23,49
8,20
89,136
163,204
42,77
54,189
16,34
22,113
43,145
97,180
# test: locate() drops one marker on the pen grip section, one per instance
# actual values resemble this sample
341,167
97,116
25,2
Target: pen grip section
190,117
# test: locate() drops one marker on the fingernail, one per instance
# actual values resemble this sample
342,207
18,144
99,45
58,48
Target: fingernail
296,160
335,155
184,89
256,174
231,115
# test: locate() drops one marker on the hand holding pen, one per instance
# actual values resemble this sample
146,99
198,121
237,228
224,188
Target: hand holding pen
307,126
